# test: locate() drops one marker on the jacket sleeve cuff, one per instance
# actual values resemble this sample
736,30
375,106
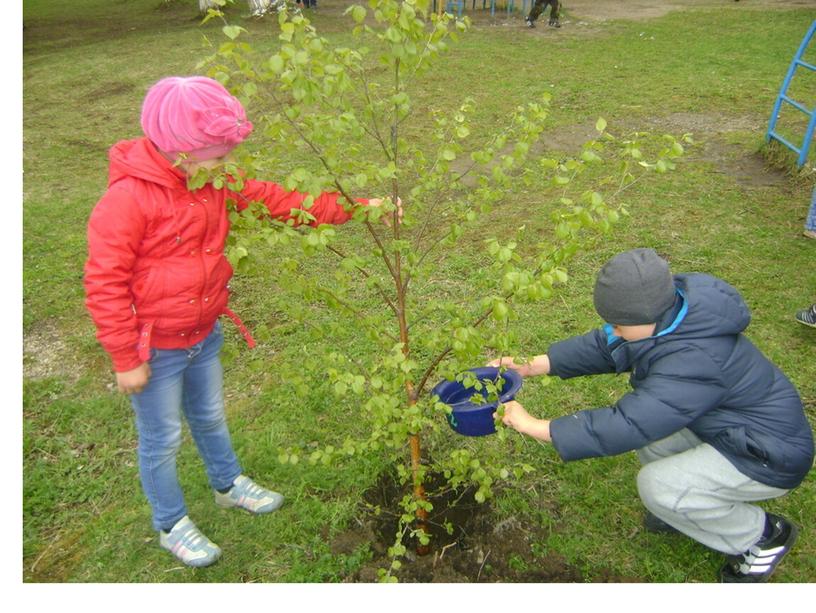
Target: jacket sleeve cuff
125,360
556,353
570,439
557,427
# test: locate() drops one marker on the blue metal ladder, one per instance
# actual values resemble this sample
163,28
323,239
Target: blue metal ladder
459,6
783,97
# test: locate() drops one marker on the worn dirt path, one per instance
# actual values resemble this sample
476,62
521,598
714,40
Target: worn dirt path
601,10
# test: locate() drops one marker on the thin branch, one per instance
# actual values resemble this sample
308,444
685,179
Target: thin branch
430,370
341,189
377,134
363,370
367,275
483,563
380,245
353,310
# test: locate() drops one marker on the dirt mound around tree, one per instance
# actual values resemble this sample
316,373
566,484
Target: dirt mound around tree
475,547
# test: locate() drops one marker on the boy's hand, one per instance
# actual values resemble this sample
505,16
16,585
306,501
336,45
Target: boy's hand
509,363
539,365
386,218
133,381
517,417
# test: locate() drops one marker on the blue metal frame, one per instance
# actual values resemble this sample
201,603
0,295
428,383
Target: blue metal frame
460,6
783,97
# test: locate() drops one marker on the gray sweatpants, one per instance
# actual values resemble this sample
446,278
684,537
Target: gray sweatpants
694,488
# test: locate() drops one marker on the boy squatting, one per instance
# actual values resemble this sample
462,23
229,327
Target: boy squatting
715,424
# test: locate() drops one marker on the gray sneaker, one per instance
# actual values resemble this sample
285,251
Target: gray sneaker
248,495
186,542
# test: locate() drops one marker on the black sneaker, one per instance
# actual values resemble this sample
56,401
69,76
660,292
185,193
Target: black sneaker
530,23
807,316
653,523
758,563
554,23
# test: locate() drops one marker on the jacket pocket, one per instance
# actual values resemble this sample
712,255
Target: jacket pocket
755,448
733,441
738,441
150,287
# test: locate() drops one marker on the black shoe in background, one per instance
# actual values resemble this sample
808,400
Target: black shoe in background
807,316
653,523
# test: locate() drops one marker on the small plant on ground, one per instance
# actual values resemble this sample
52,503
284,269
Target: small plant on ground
352,110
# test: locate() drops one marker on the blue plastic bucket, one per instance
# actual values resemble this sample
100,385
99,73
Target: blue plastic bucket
474,418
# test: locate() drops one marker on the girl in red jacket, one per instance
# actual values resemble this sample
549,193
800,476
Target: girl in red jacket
156,283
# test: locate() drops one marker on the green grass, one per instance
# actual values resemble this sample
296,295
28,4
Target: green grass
86,67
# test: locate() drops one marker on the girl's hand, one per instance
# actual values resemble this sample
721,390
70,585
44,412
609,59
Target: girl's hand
133,381
386,218
517,417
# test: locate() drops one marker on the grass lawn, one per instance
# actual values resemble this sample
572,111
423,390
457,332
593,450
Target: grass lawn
710,70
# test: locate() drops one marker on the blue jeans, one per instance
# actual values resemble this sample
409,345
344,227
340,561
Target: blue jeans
188,380
810,222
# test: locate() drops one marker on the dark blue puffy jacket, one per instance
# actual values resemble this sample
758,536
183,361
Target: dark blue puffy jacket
698,372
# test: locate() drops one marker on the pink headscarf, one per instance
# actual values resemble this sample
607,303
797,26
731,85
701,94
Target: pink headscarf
196,116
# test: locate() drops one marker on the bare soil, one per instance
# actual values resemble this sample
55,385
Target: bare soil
480,549
46,354
710,131
639,10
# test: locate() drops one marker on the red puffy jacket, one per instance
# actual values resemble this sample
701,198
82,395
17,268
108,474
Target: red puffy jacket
156,275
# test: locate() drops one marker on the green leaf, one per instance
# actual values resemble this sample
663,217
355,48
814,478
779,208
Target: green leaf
358,13
287,30
590,156
600,125
232,32
500,311
276,63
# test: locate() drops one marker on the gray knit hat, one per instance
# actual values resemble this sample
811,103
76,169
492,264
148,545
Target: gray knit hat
635,287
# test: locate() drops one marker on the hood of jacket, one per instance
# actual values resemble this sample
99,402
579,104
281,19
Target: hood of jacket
140,159
705,307
714,308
